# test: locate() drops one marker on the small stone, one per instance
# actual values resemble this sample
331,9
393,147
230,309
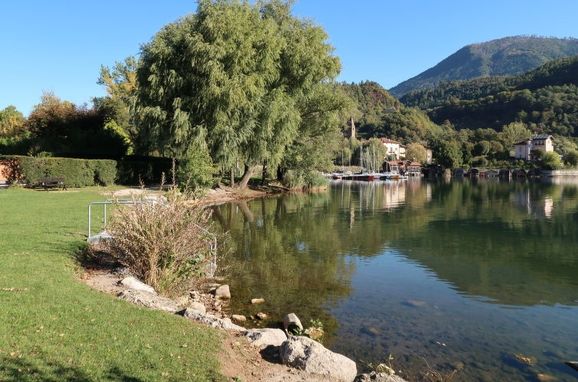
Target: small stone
525,360
135,284
198,307
255,301
261,316
149,300
223,292
415,303
239,318
291,322
195,296
370,331
542,377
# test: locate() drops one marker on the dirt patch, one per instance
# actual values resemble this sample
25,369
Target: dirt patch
242,361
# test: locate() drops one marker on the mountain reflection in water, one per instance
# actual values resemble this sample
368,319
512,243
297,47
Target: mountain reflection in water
460,274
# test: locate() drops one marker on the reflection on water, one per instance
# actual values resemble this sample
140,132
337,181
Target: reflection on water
461,275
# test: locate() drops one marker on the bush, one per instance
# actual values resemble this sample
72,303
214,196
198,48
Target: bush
296,179
197,170
571,158
163,244
75,172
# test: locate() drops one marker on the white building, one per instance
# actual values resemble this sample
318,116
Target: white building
395,150
542,142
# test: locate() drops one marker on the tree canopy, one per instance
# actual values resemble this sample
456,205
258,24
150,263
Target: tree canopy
249,81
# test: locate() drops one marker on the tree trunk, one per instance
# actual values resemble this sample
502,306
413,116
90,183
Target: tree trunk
232,177
246,177
264,174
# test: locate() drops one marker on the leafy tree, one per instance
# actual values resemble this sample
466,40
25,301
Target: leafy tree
416,152
514,132
447,153
246,79
482,148
571,158
62,128
551,161
12,122
120,103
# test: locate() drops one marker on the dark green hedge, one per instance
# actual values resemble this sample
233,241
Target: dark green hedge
75,172
88,172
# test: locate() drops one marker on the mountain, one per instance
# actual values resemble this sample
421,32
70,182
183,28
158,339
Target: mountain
544,99
379,114
503,57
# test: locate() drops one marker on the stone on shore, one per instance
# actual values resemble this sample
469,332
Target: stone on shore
256,301
291,322
305,354
223,292
261,316
378,377
199,307
263,338
215,322
239,318
149,300
135,284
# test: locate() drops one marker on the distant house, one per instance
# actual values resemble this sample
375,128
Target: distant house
395,149
408,168
543,142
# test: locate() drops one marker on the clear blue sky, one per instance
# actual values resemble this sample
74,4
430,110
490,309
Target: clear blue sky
59,45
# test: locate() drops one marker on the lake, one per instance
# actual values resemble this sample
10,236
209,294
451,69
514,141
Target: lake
456,277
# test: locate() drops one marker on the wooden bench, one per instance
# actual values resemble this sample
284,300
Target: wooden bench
48,183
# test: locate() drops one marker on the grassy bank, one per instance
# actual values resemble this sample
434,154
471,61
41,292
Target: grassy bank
55,328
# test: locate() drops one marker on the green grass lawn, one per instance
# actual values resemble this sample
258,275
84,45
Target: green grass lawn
55,328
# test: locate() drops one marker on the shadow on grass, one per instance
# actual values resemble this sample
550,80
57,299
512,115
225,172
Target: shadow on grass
14,369
93,257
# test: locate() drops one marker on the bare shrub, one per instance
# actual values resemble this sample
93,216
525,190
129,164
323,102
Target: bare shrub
167,243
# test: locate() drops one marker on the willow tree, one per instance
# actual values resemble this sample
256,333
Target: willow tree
235,78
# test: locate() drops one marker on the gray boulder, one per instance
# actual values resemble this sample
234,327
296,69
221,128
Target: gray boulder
378,377
305,354
149,300
263,338
292,322
134,283
215,322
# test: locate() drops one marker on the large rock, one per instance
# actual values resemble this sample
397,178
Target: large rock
305,354
223,292
263,338
149,300
291,323
134,283
215,322
378,377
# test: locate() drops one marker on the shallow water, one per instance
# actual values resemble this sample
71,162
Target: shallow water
446,276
